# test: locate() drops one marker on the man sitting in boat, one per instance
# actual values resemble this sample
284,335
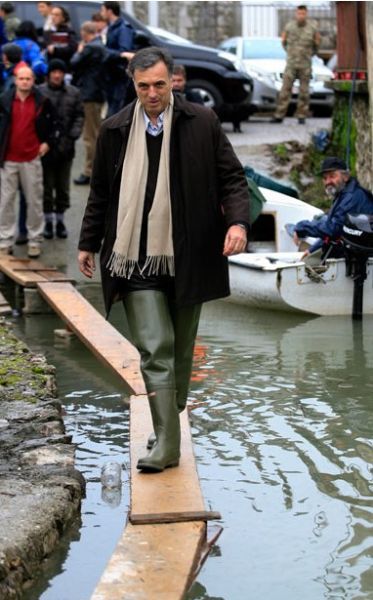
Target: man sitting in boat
347,196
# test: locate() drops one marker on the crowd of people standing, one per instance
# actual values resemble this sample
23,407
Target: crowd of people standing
56,85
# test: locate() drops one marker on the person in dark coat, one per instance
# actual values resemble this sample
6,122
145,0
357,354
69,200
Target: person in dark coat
168,204
348,197
119,45
61,41
10,20
57,163
86,65
179,84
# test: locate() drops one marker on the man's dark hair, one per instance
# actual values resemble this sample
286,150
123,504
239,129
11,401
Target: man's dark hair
7,7
27,29
302,7
113,6
97,17
179,70
148,57
13,53
47,3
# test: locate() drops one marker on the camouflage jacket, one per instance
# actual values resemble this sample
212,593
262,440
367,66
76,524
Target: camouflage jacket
300,43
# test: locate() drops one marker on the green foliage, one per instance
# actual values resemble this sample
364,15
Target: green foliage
340,132
282,153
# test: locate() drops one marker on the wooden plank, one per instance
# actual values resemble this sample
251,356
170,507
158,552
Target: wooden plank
174,517
28,272
175,490
153,561
36,270
98,334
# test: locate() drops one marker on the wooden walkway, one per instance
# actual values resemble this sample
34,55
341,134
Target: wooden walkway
164,539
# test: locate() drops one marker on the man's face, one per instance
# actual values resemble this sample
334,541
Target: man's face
104,13
56,77
300,16
57,16
43,9
153,87
334,182
178,82
24,80
100,25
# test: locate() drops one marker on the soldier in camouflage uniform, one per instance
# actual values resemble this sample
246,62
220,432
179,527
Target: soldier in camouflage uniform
301,40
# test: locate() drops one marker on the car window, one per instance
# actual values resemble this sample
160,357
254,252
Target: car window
263,48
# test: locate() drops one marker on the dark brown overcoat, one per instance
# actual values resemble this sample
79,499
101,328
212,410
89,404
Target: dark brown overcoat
208,194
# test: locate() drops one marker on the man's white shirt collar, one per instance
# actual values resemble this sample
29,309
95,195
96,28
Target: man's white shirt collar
150,127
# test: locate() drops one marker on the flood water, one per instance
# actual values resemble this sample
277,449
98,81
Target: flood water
282,422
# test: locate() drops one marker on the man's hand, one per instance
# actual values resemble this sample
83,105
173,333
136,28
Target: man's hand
87,264
235,241
43,149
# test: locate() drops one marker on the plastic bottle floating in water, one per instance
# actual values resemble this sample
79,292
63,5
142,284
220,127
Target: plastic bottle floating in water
111,475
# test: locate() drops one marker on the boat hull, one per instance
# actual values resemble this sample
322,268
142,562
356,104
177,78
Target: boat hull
282,282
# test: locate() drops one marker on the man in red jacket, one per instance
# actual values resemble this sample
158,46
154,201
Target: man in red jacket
26,127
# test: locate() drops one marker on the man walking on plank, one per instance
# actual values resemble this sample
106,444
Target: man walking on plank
168,204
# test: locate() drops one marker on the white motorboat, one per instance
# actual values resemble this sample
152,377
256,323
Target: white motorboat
281,281
272,276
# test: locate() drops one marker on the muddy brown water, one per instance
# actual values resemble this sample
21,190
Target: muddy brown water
282,422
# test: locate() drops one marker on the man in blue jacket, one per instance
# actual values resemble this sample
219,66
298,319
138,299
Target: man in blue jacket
347,196
119,43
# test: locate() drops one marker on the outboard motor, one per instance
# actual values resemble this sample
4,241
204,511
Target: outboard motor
357,238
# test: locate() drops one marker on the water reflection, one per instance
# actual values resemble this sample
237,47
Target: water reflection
97,417
282,427
282,420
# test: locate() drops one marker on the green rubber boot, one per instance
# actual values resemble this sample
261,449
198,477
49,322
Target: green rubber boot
165,416
185,322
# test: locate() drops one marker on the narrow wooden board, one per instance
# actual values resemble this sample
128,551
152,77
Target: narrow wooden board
153,561
175,490
98,334
174,517
28,272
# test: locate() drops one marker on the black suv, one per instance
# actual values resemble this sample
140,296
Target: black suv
223,87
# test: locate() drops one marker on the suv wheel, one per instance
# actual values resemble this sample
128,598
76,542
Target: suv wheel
212,98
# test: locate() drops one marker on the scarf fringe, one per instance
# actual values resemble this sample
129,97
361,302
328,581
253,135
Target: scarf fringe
121,266
159,265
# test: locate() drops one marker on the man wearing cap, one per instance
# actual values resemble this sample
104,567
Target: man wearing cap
347,196
57,164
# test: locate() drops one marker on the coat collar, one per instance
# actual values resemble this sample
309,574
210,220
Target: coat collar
123,119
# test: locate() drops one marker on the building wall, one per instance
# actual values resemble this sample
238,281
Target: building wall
211,22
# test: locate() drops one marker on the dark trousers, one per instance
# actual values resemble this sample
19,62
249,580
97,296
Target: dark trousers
56,178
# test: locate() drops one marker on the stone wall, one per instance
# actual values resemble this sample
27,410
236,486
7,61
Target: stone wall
205,23
360,133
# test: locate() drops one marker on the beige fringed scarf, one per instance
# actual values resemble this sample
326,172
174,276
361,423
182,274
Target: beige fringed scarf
159,251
